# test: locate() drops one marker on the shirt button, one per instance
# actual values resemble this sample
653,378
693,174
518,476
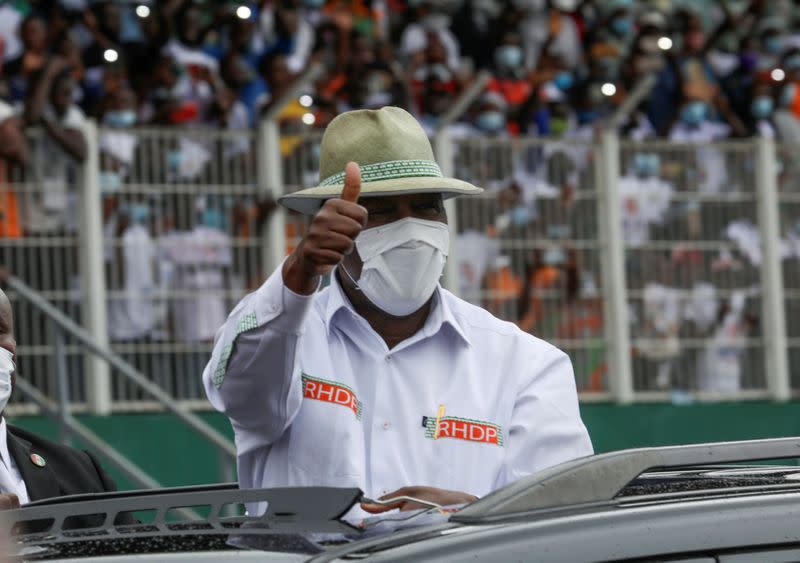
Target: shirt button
272,307
388,358
387,425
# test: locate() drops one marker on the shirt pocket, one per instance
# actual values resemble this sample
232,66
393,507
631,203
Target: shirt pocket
470,453
326,440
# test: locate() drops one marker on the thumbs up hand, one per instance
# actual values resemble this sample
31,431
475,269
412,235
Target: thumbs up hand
330,237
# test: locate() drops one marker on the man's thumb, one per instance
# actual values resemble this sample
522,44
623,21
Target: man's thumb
352,182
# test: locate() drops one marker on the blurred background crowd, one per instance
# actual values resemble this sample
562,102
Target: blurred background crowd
556,65
558,69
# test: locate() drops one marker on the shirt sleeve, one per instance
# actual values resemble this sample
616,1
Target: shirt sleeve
252,375
546,427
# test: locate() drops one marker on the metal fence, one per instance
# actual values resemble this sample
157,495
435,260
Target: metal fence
40,243
788,173
690,229
528,248
653,265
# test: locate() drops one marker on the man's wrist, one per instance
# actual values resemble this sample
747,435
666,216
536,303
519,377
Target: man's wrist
297,278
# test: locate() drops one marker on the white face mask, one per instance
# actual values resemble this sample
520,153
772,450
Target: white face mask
403,262
7,367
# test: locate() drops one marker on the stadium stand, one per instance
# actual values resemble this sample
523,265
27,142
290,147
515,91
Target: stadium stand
179,89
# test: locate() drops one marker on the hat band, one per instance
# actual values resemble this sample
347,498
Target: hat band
390,170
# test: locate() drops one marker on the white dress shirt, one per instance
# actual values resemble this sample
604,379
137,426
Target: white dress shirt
11,480
315,396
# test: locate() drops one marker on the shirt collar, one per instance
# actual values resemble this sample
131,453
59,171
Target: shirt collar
441,313
4,453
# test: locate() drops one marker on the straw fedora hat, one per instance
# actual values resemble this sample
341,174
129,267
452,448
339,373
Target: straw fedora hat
394,154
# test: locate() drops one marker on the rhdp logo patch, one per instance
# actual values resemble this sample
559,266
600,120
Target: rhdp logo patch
331,392
462,429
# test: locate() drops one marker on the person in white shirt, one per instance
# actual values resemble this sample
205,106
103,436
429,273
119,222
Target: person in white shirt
645,198
384,380
63,147
696,127
131,258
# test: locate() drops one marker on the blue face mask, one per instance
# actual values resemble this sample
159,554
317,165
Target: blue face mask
508,56
564,80
694,113
762,107
120,118
520,215
558,231
214,219
622,25
773,44
554,256
174,160
491,121
110,182
139,212
646,164
788,95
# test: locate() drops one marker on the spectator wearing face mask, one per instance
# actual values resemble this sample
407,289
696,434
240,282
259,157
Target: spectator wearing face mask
490,116
130,264
202,259
696,126
117,144
787,123
510,77
519,88
644,197
771,41
616,24
762,107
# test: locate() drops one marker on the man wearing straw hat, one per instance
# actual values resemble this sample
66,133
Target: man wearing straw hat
384,380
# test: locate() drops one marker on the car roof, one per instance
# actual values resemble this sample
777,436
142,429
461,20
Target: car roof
308,521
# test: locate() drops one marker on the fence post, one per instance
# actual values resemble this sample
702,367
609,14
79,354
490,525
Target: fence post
612,266
62,387
773,311
92,274
443,149
270,183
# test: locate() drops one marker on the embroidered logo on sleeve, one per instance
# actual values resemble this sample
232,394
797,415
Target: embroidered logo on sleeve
463,429
247,322
331,392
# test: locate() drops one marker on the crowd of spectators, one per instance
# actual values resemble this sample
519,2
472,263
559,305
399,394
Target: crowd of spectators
724,68
557,69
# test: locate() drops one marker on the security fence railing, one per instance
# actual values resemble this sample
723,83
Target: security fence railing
659,267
